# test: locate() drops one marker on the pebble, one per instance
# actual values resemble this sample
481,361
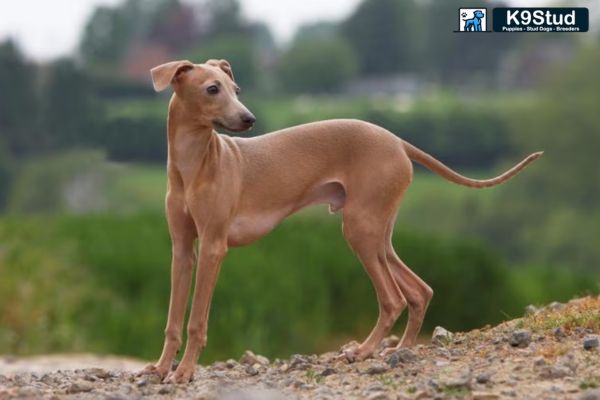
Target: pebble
251,370
483,378
299,362
79,387
249,358
559,333
377,369
327,371
402,355
590,394
520,338
374,387
590,342
555,306
531,309
554,372
484,396
151,379
166,389
98,373
441,336
390,341
539,362
379,396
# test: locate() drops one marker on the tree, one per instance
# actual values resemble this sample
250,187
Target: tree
451,57
18,101
69,111
552,210
110,31
317,66
239,50
383,35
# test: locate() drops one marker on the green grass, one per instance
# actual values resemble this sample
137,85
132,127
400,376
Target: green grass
135,187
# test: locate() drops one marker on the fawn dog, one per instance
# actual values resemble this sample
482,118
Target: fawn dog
229,191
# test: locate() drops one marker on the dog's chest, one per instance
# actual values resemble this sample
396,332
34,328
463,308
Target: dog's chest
187,154
245,229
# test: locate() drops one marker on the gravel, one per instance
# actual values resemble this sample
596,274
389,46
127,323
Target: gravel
491,363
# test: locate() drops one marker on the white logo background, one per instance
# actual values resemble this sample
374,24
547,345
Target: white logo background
469,15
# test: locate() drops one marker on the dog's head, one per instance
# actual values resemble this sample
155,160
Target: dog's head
208,90
478,14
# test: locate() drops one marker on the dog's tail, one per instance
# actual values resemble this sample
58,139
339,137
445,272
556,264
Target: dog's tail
439,168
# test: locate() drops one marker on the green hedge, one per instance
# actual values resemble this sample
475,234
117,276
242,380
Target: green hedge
101,284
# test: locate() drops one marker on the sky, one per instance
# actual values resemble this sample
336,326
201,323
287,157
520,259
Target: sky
45,29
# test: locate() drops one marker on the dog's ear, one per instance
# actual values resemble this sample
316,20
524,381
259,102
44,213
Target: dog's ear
224,65
164,74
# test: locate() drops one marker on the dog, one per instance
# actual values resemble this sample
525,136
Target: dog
229,191
474,24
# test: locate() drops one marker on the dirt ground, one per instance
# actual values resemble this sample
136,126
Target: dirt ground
550,353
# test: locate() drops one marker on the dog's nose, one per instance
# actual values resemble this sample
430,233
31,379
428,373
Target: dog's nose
248,119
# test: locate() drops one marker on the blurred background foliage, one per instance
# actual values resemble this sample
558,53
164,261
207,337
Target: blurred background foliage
84,249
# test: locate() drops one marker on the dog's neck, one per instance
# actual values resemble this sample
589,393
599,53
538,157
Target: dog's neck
189,141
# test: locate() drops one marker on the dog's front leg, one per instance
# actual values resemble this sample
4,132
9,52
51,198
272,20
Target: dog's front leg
183,234
212,252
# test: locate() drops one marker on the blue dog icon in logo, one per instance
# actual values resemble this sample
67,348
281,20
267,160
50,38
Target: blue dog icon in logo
473,24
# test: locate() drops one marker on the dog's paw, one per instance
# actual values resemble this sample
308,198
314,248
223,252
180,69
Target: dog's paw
353,352
153,369
183,374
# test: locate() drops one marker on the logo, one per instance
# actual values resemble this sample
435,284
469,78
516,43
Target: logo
549,19
472,20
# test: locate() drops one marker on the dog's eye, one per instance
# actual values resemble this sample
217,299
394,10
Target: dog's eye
212,89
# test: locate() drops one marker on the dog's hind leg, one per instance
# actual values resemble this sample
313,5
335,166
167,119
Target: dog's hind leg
416,292
366,236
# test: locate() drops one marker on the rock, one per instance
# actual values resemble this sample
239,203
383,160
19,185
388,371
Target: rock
151,379
590,342
483,378
539,362
402,355
251,370
324,393
559,333
569,362
441,336
299,362
98,373
231,363
166,389
531,309
79,387
327,371
372,388
555,306
484,396
390,341
554,372
591,394
377,369
379,396
249,358
21,379
520,338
